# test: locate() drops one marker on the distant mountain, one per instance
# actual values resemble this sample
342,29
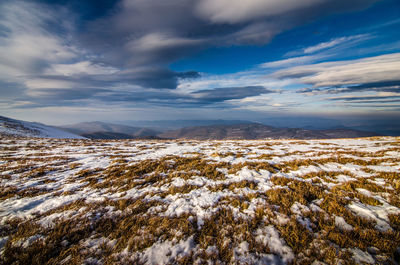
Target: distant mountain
252,131
163,125
106,135
382,125
348,133
103,130
18,128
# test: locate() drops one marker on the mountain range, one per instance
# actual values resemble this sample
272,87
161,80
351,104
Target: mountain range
102,130
254,131
239,131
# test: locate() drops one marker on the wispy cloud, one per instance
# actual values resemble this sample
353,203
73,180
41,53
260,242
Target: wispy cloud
368,98
229,93
318,52
26,47
234,11
239,79
334,42
361,72
291,61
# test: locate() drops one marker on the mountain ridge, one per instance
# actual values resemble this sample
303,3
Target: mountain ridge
104,130
255,131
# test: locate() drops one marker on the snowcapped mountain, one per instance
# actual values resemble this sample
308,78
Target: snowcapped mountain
11,127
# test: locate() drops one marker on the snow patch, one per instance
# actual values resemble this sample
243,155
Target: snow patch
379,214
361,257
269,236
165,252
342,224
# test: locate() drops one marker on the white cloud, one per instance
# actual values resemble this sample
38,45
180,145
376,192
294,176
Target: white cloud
240,79
236,11
334,42
83,67
291,61
41,83
367,97
361,71
27,48
319,51
156,40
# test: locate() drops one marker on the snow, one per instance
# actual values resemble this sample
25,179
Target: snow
3,241
299,209
197,201
33,129
269,236
341,224
26,207
48,221
63,185
379,214
165,252
26,242
360,256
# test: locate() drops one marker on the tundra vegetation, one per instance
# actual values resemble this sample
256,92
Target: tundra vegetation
70,201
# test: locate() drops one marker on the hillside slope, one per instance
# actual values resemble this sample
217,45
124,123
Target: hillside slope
18,128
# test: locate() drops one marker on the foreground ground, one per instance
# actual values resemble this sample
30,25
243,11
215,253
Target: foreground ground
189,202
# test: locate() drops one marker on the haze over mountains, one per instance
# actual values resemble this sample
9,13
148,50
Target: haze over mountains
212,130
102,130
236,130
255,131
384,126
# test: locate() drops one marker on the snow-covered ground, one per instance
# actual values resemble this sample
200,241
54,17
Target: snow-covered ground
73,201
11,127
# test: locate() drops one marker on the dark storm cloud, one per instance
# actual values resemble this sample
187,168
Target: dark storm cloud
143,77
57,96
194,99
228,93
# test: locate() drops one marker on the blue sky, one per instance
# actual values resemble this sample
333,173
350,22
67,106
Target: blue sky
72,61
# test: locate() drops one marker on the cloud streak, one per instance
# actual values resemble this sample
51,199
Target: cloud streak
367,73
335,42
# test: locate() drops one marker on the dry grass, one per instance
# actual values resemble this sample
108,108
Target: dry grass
134,194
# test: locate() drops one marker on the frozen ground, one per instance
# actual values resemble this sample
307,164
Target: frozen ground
71,201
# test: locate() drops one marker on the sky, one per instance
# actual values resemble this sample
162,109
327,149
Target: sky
80,60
